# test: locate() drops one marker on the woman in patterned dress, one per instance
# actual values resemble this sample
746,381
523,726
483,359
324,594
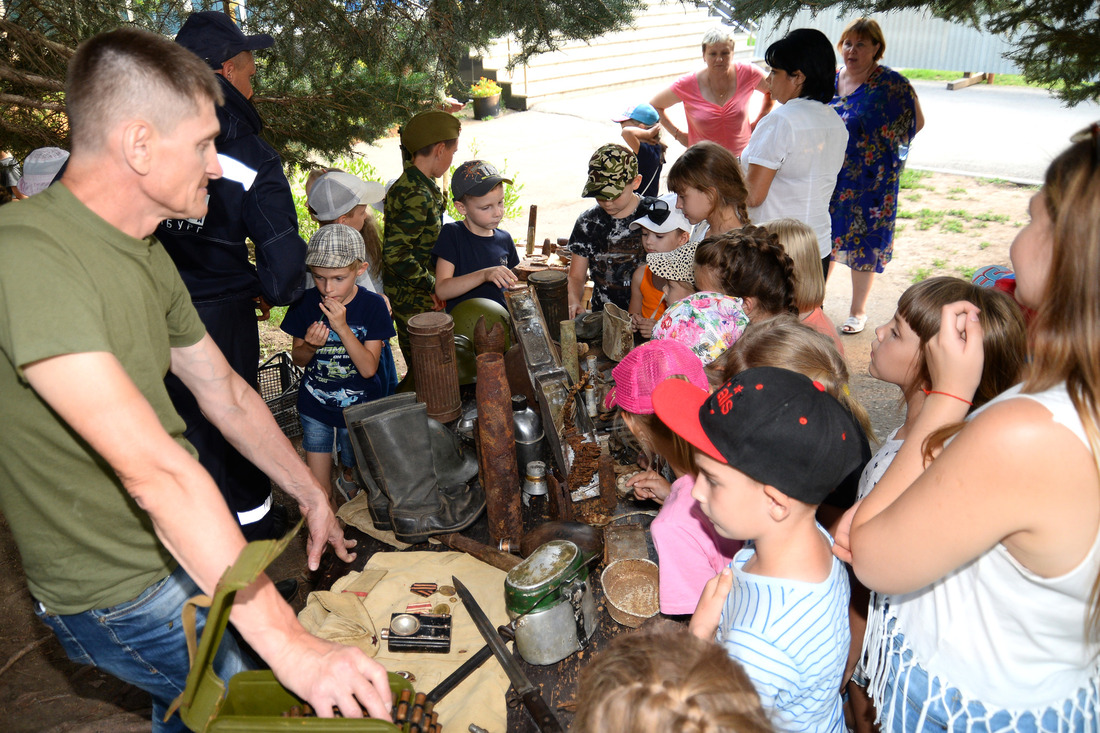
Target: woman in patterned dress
882,114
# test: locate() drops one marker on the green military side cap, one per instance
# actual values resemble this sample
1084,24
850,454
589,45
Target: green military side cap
610,170
428,128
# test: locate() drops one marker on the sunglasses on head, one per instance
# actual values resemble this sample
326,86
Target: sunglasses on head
659,212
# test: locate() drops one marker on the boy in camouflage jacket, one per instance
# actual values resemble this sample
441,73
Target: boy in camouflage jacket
414,214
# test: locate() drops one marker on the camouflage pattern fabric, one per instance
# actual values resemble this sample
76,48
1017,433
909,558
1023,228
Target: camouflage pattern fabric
610,170
414,214
613,251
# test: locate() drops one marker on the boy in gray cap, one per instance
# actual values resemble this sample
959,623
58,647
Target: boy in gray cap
473,258
338,329
414,215
603,244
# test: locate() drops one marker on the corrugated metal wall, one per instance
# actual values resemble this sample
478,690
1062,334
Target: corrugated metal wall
914,40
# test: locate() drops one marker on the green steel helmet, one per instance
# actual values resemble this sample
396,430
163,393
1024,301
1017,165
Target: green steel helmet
466,313
466,360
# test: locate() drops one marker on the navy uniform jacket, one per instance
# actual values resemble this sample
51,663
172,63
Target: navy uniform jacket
251,200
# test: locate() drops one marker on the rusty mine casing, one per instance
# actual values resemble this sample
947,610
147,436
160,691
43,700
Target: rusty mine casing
497,449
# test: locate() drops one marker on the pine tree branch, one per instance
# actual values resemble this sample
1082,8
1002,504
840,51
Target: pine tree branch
21,101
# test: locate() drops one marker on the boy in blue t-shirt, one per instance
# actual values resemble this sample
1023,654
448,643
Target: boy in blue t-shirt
770,445
472,258
338,331
641,130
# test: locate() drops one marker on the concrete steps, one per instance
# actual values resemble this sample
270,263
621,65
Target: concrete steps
663,43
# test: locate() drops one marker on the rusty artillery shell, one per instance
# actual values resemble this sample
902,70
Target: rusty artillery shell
569,350
497,449
489,340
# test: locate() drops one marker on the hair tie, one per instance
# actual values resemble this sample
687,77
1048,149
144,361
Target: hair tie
947,394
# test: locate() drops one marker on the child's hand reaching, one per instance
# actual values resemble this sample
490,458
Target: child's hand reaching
316,334
704,622
500,276
650,485
336,312
644,326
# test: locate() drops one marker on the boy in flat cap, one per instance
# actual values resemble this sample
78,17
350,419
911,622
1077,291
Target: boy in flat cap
770,444
414,214
339,329
472,257
602,238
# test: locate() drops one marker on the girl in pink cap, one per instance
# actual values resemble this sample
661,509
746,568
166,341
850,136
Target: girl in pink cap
689,551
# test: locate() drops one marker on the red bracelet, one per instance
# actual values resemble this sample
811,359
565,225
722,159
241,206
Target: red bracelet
948,394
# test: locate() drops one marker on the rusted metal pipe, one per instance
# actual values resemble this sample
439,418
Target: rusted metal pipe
503,560
497,447
609,496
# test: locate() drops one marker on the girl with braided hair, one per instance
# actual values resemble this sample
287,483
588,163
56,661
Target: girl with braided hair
750,264
662,678
710,189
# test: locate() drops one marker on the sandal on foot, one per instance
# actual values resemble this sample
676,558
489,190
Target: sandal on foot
347,489
854,324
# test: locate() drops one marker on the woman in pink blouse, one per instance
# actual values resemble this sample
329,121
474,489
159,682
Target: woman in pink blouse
716,98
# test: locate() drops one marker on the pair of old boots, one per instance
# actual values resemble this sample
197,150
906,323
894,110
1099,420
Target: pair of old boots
416,473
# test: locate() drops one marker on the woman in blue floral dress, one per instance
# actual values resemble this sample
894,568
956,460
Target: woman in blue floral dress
882,114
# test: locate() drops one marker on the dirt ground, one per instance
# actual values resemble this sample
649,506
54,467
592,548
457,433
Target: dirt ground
948,225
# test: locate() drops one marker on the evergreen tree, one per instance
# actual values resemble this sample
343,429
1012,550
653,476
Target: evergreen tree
339,72
1056,41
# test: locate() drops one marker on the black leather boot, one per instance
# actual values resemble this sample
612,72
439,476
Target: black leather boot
378,504
400,458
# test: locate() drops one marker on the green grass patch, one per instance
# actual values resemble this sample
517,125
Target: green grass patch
987,216
956,189
966,272
919,274
1000,80
912,179
984,245
938,263
952,225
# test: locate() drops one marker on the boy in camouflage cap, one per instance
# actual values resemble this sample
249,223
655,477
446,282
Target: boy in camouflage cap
414,214
602,238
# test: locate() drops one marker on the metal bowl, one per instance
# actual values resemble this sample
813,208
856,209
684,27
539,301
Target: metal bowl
631,585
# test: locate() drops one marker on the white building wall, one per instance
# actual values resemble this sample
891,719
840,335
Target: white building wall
914,40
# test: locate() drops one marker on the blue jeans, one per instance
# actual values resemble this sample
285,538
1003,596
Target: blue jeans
317,438
142,642
949,712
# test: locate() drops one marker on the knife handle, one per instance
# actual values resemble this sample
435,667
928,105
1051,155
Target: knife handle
541,713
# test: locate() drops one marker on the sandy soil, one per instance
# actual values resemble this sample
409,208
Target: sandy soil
968,224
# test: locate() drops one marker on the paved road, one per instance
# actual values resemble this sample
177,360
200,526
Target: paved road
1002,132
994,131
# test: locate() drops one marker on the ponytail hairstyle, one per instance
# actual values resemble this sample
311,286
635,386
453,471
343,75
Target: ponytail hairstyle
662,678
1065,335
787,343
750,263
708,167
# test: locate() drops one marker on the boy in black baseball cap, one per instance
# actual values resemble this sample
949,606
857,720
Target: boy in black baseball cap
473,258
770,444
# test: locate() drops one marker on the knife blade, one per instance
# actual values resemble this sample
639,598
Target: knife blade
527,691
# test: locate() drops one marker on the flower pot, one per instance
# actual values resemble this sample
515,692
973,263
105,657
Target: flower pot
486,106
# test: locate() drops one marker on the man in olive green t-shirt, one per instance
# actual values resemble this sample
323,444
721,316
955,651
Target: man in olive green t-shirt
104,496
